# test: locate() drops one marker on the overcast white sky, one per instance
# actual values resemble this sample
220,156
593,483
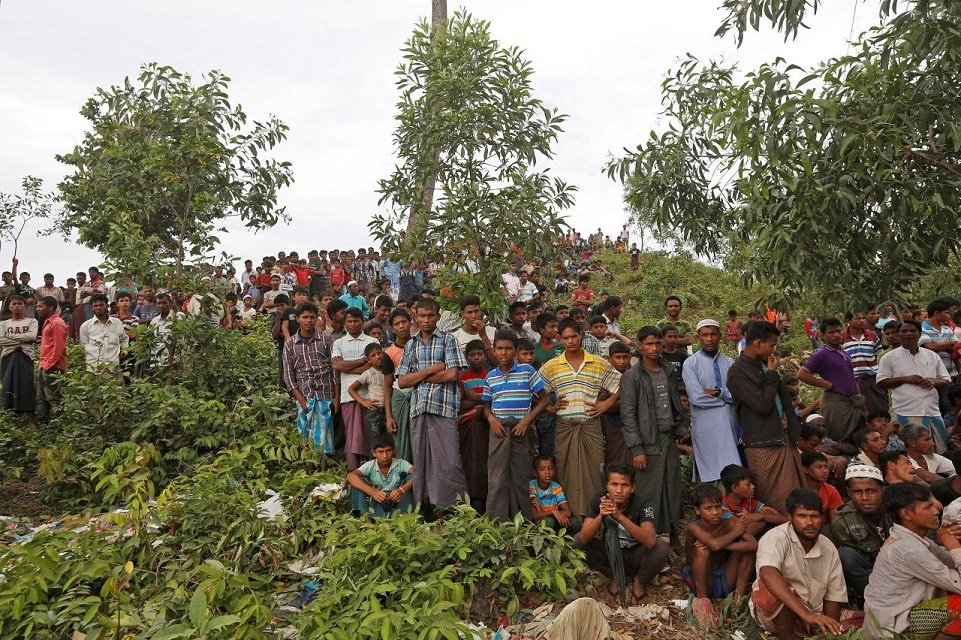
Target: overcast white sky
326,69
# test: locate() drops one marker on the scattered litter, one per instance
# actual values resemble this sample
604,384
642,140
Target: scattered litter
680,604
328,491
650,611
271,508
738,635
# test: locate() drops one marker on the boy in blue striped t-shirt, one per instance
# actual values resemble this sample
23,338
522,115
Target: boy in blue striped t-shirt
507,397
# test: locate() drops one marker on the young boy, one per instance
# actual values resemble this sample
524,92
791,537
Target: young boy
669,350
816,474
548,347
739,501
471,425
507,404
368,391
635,257
525,351
382,486
548,501
733,326
719,553
338,277
599,331
582,296
889,429
614,448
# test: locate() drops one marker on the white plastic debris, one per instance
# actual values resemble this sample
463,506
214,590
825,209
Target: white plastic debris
272,507
327,491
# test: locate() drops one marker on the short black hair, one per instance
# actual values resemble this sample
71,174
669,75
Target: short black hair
622,469
903,495
370,348
761,330
428,303
646,332
598,320
878,414
123,294
50,301
666,328
568,323
383,301
894,325
398,313
811,456
474,345
953,393
283,298
705,492
541,458
810,430
939,305
309,307
611,302
300,289
888,457
803,499
829,323
734,473
469,300
515,306
97,297
860,435
506,334
354,312
955,459
543,320
618,347
382,440
914,323
669,298
525,344
334,307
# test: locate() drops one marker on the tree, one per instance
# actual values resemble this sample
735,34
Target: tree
492,200
165,164
842,180
16,211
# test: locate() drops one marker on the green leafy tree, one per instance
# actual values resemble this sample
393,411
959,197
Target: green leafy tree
165,164
842,180
467,116
16,211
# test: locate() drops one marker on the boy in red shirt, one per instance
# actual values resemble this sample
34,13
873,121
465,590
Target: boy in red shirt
582,296
337,277
816,473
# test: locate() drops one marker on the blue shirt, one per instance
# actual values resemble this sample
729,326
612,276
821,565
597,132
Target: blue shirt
549,498
358,302
509,394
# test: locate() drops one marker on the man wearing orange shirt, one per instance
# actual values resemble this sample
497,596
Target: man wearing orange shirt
53,356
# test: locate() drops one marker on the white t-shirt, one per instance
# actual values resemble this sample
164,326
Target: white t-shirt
527,292
350,348
463,337
910,399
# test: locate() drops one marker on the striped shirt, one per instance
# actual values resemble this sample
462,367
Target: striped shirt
591,345
550,498
863,352
944,334
439,399
581,385
307,365
509,394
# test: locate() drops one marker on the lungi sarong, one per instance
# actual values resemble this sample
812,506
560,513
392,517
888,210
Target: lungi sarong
356,446
400,410
843,416
438,476
363,503
580,460
17,392
317,424
928,618
659,485
777,472
615,451
875,398
474,434
509,473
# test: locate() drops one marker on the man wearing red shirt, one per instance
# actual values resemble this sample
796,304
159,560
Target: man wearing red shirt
53,356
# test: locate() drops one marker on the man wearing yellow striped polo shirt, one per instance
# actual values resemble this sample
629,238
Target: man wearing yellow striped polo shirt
577,377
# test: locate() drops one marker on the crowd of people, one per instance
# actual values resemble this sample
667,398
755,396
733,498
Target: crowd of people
808,509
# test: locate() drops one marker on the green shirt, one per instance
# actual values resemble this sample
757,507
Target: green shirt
852,529
683,327
542,355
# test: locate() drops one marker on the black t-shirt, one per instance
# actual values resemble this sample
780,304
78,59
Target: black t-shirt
677,357
944,492
636,511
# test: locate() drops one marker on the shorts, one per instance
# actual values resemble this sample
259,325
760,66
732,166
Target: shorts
718,588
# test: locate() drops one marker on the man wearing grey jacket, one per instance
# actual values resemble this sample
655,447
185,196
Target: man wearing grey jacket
654,420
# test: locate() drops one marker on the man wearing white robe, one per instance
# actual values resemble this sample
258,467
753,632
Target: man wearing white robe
713,425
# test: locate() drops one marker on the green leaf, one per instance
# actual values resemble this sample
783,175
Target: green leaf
198,608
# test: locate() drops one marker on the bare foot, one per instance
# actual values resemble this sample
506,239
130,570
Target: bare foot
638,591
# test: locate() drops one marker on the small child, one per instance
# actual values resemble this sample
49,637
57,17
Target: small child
635,257
548,501
382,486
374,330
508,394
733,327
525,351
371,382
582,296
599,331
719,553
739,501
615,451
471,425
548,347
816,473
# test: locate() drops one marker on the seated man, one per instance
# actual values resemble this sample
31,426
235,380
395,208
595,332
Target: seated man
919,445
621,512
860,527
800,585
872,444
913,573
948,490
896,467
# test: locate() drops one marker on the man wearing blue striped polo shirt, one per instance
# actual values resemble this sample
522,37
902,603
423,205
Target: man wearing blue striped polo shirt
507,396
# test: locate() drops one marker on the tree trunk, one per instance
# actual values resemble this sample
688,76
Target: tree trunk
419,215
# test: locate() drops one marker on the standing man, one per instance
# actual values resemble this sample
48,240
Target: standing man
672,309
578,378
915,376
654,420
474,328
102,336
763,406
431,366
612,307
936,335
53,356
861,342
350,362
49,289
355,298
309,375
841,405
713,425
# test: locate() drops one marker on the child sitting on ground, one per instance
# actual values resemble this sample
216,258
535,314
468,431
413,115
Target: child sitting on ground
368,392
719,553
739,502
382,486
548,501
816,474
